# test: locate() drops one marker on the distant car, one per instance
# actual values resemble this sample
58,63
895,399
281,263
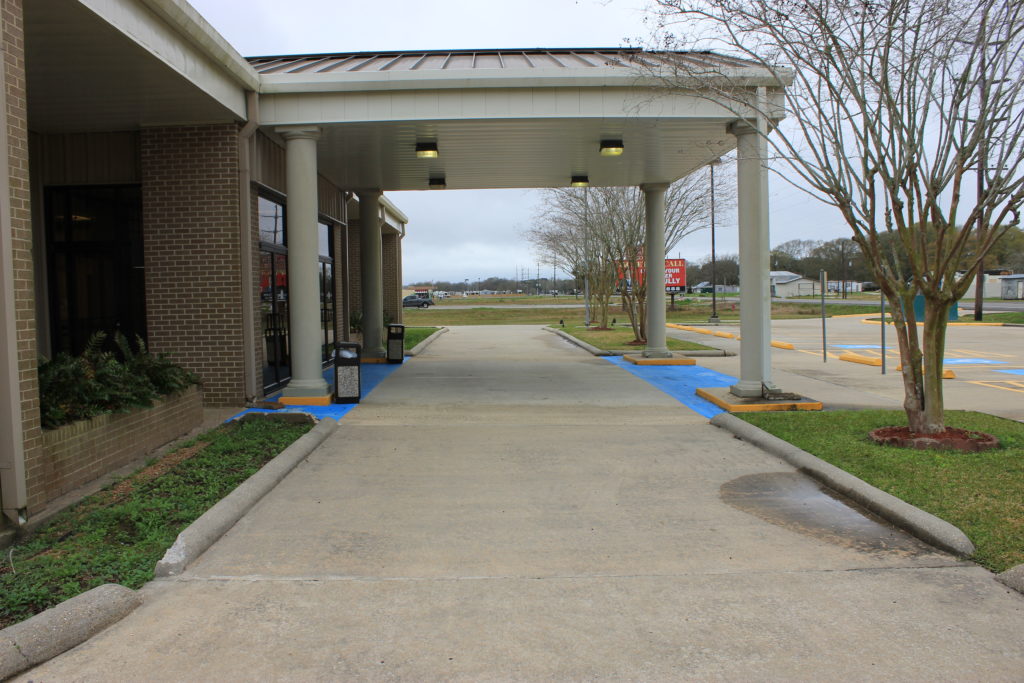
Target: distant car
413,301
869,287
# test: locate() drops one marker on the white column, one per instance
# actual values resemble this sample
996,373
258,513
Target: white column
654,262
370,261
303,264
755,294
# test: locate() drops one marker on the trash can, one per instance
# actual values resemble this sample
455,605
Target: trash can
396,343
954,313
346,372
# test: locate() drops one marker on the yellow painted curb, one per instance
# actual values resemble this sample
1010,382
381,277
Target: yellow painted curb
857,358
783,345
639,360
879,322
305,400
701,330
725,335
758,407
946,374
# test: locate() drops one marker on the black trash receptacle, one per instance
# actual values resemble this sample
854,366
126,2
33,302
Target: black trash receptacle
347,385
396,343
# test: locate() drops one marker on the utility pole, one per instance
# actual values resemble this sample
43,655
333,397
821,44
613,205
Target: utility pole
982,226
714,274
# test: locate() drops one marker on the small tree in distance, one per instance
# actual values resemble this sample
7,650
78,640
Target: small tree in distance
894,106
599,233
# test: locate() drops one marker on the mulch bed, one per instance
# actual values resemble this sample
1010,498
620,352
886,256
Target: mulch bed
951,439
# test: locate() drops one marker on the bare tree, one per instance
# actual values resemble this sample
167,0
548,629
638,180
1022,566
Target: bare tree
894,106
600,231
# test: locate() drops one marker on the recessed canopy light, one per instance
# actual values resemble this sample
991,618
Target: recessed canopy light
426,150
437,184
580,181
611,148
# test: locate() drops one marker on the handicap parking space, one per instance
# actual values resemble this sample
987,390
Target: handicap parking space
680,382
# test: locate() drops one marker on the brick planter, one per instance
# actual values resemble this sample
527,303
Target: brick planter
80,452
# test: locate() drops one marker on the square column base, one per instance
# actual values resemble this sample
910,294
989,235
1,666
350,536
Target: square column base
306,400
726,400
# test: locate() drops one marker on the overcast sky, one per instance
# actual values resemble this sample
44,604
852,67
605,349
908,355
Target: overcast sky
457,235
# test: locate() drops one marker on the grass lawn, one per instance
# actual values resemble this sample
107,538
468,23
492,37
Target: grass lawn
118,534
414,335
1016,317
619,338
687,311
980,493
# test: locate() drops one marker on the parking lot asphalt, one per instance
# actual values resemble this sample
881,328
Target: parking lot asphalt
988,363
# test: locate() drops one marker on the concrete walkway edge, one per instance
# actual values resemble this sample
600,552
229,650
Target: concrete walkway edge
924,525
64,626
215,522
593,350
422,346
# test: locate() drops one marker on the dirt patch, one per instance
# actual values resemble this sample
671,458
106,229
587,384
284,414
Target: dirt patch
952,439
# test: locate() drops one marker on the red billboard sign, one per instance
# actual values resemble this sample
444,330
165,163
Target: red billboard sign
675,274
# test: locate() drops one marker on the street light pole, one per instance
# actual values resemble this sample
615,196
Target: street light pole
714,273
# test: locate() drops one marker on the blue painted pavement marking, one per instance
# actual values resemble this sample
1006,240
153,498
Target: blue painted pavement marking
680,382
371,374
972,361
856,346
1012,372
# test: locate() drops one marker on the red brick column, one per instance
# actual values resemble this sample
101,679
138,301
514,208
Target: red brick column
192,253
18,202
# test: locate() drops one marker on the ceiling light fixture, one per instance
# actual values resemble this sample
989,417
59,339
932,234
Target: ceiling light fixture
437,183
580,181
426,150
612,148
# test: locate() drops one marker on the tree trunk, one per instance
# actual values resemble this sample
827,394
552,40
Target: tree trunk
934,343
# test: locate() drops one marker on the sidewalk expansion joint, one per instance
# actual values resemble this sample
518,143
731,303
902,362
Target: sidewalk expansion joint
339,578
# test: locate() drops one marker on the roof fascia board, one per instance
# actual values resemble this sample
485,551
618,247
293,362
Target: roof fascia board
390,207
185,43
343,81
196,29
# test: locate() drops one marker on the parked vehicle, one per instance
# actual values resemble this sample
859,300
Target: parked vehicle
416,301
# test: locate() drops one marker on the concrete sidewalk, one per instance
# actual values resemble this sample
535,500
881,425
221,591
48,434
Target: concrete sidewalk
507,507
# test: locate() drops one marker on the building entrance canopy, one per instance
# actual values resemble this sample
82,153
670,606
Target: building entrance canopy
499,118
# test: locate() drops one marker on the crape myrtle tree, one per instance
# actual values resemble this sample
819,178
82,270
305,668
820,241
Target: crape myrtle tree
599,232
894,108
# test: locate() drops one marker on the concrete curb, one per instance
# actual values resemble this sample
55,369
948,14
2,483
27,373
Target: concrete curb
60,628
422,346
593,350
1013,577
925,526
215,522
705,353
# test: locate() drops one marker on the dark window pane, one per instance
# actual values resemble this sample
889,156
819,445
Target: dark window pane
271,216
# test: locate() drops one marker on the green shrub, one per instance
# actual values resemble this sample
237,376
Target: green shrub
79,387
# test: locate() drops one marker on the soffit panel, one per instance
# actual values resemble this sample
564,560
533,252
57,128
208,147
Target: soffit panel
83,74
517,153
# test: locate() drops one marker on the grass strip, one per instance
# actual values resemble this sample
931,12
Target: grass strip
619,340
1013,317
688,311
414,335
118,534
981,493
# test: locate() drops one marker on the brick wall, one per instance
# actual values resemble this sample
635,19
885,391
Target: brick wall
192,253
391,274
80,452
355,268
13,52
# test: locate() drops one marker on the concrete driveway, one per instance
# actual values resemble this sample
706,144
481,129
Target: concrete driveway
507,507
